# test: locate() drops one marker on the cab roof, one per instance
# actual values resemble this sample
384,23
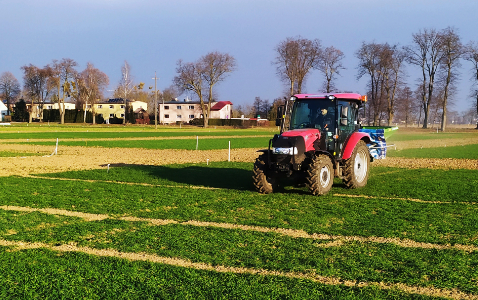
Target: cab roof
351,96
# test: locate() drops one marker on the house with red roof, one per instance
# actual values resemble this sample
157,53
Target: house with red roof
174,111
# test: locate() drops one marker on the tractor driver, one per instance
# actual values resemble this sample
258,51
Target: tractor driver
320,120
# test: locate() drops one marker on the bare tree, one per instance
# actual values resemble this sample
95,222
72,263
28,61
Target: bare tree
426,52
170,93
471,55
189,78
92,83
369,56
9,89
216,67
37,86
200,77
391,61
63,74
125,87
330,64
295,58
406,105
452,52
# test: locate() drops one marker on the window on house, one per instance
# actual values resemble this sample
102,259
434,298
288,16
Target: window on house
179,116
178,107
166,116
191,106
111,106
50,107
121,106
166,107
191,116
112,115
122,115
88,106
100,106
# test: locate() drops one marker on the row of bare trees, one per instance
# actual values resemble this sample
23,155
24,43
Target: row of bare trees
57,82
60,81
201,76
296,57
436,53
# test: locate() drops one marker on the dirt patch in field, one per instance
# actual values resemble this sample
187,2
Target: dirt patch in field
400,145
87,158
428,163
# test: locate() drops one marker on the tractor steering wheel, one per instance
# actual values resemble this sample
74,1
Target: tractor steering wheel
304,125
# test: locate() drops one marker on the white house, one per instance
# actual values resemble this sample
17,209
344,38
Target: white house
3,111
66,105
176,111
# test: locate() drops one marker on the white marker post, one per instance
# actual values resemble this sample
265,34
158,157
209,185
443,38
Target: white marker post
229,157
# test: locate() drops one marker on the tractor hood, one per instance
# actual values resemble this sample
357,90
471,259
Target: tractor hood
309,135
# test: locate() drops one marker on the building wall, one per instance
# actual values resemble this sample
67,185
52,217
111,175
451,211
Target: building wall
171,112
3,111
110,110
186,111
224,113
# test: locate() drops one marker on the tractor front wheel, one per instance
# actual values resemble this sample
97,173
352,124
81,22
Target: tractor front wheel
320,175
356,168
263,181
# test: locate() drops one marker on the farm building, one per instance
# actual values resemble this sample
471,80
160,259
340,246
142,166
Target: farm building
176,111
3,111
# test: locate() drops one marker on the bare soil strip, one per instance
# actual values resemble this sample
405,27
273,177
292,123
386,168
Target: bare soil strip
88,158
427,163
405,199
178,262
406,243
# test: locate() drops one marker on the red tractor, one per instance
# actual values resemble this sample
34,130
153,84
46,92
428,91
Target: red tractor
323,142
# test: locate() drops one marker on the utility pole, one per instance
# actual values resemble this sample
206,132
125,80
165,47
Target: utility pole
156,102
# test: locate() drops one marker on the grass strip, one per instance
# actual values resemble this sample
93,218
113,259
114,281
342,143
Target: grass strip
281,231
440,223
185,144
101,134
48,274
405,135
350,264
432,185
19,154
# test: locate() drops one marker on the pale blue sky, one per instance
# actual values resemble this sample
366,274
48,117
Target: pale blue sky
154,35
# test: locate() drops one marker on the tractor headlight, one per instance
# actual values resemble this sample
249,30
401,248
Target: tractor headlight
285,151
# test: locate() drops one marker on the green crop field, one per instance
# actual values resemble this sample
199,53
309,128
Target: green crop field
200,231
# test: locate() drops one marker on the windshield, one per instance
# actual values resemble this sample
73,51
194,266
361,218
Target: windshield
313,113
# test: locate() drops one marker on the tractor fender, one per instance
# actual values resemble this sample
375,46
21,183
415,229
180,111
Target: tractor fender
352,142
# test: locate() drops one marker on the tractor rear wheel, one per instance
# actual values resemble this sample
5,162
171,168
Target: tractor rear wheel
320,175
356,168
263,181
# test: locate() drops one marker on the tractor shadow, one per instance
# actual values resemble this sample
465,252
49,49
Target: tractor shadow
211,177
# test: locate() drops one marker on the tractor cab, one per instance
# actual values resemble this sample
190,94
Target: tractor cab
334,116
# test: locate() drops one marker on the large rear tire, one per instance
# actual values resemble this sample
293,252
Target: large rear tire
320,175
262,179
357,167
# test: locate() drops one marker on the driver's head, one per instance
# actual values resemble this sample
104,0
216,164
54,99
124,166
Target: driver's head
324,111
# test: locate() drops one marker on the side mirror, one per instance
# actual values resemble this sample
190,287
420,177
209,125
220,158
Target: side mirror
344,110
280,115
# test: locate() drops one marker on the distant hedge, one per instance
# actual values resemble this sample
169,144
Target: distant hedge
71,116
